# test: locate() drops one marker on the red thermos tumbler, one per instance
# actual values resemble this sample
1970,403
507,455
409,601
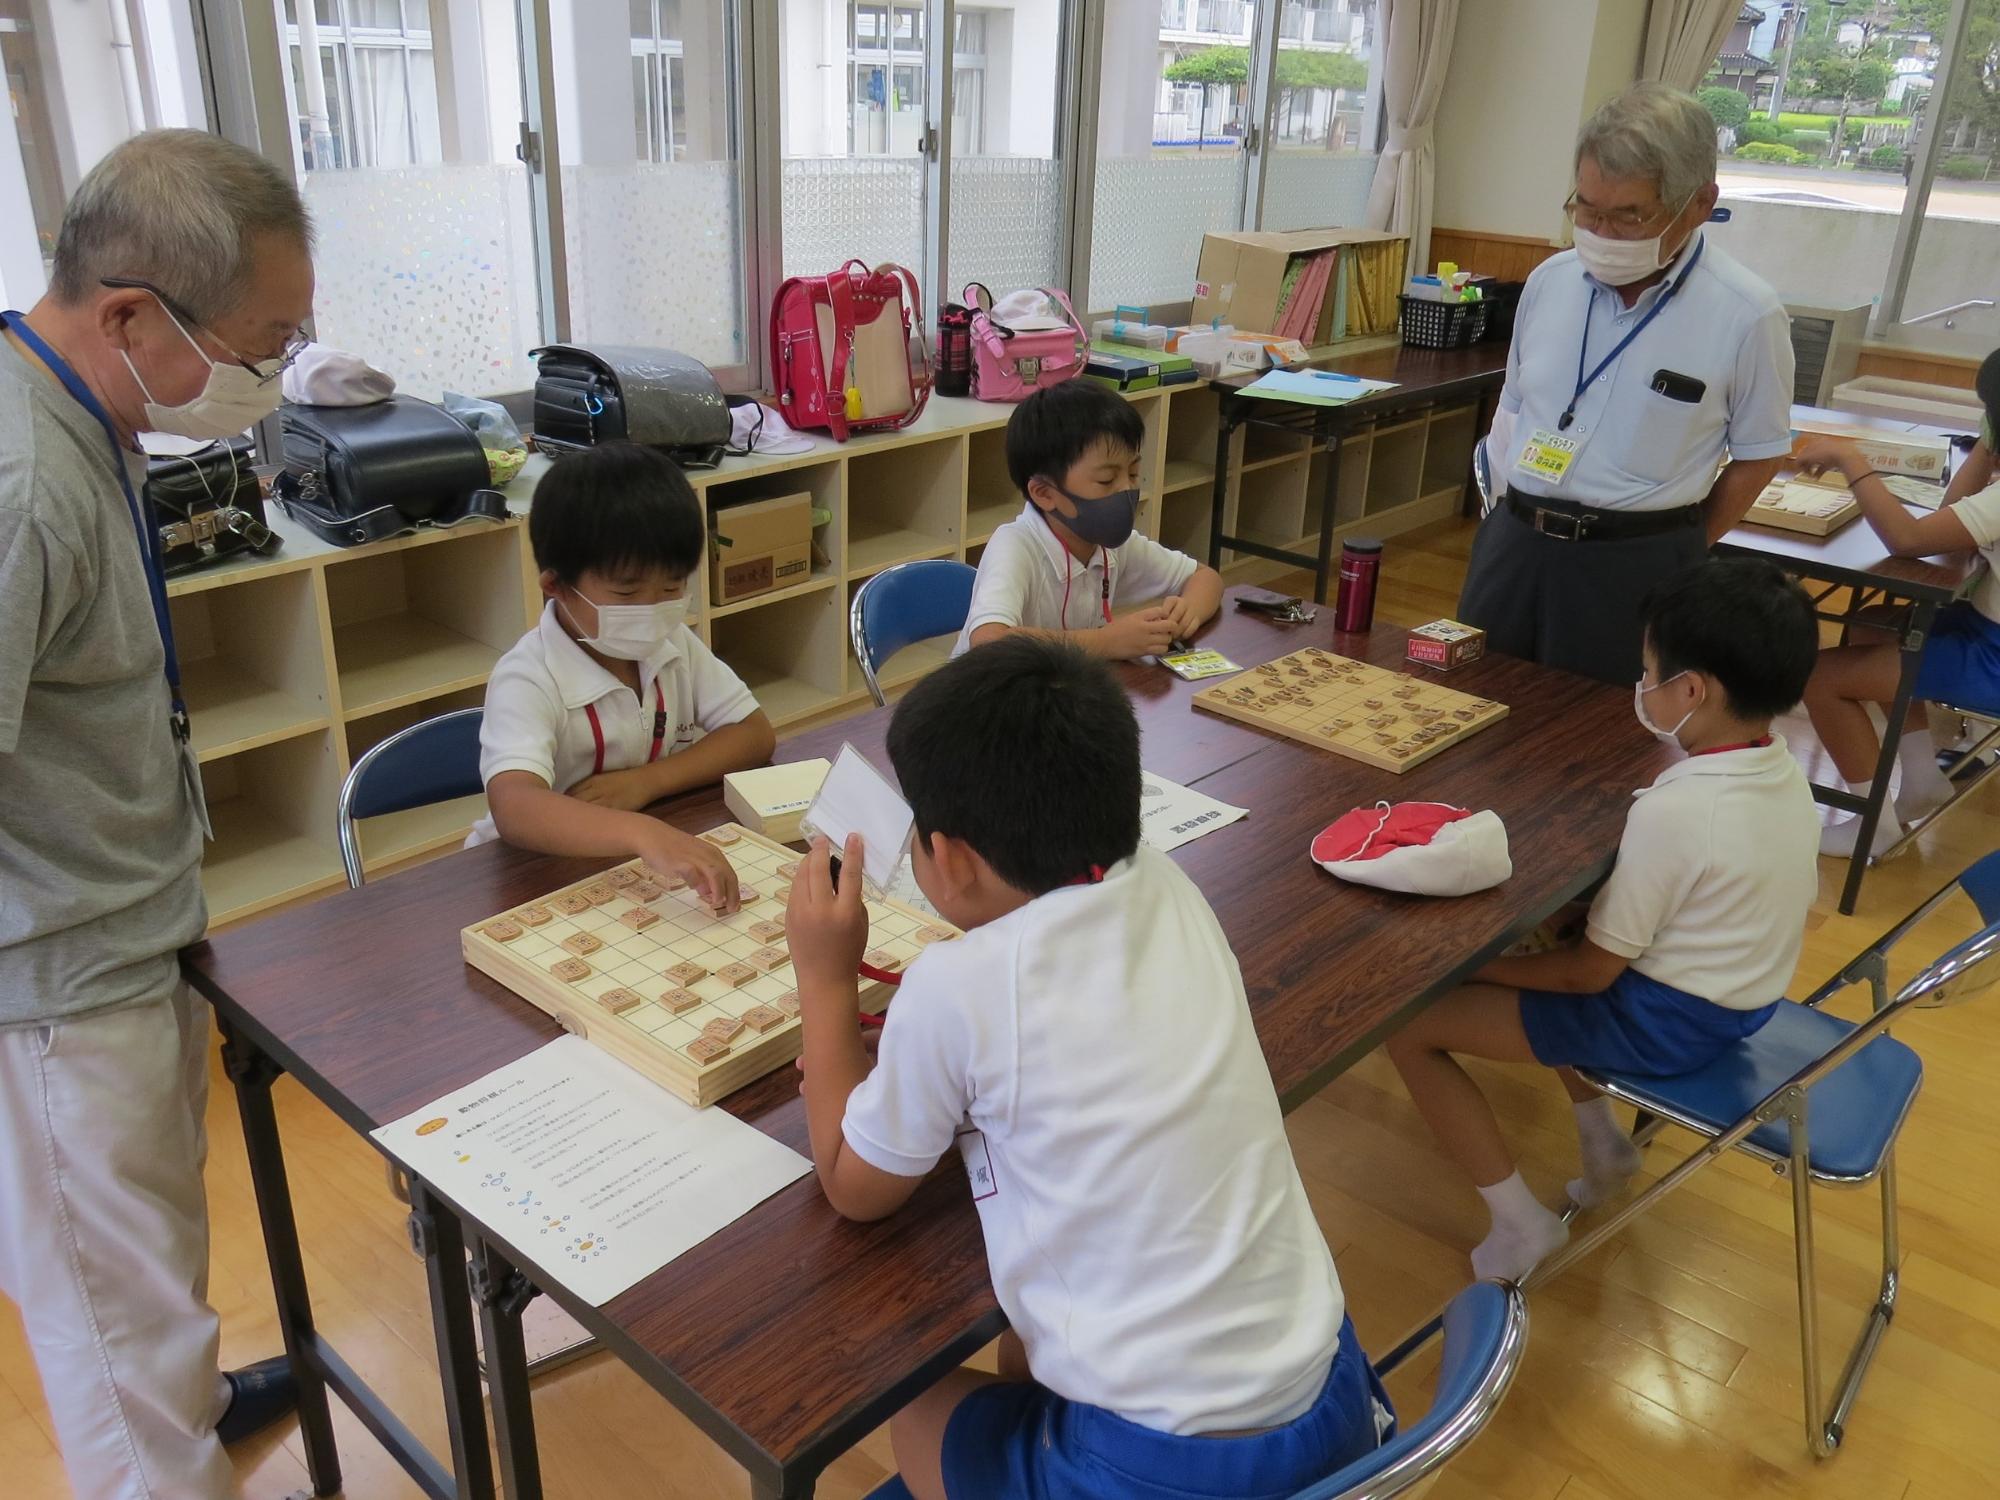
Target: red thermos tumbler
1360,566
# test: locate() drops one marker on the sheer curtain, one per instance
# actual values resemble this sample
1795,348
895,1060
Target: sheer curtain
380,78
1416,53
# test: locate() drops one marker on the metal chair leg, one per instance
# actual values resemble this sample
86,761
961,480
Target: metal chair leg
1877,1324
1800,1171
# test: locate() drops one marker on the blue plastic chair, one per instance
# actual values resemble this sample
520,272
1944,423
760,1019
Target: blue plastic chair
1822,1100
431,762
1485,1331
905,604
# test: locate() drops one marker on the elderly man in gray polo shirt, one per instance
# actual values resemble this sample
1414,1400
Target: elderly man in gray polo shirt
182,273
1645,360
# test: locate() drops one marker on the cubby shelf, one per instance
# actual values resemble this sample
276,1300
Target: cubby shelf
295,664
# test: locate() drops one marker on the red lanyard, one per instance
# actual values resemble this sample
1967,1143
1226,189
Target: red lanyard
1104,592
1746,745
659,728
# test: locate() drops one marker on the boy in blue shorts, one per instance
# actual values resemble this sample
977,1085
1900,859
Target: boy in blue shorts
1691,941
1961,660
1086,1047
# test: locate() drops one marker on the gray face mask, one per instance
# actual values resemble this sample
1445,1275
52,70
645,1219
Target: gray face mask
1103,522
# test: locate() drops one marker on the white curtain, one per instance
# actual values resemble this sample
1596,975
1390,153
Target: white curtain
381,107
1416,52
1682,38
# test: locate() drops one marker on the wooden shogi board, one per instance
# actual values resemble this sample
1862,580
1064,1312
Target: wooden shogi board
621,994
1394,720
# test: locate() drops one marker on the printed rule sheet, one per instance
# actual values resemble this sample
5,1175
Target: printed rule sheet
597,1175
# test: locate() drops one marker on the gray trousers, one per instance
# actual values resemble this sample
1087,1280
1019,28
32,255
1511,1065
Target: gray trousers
1567,604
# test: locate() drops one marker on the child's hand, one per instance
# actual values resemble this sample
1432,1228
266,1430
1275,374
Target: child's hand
627,791
1817,452
1181,616
827,928
1144,632
698,862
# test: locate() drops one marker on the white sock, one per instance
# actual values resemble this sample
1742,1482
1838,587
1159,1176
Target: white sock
1610,1156
1924,786
1840,838
1523,1234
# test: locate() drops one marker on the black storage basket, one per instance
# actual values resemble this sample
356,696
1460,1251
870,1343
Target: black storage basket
1441,325
1503,299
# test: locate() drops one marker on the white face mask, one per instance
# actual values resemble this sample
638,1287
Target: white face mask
1668,736
231,400
1622,262
631,632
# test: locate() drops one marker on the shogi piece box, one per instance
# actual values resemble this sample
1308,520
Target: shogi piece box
1889,452
1445,644
771,799
759,547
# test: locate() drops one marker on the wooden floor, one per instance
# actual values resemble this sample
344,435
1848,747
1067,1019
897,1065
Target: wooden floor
1663,1366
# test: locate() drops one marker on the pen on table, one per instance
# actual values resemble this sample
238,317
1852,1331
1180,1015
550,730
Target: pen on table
1336,375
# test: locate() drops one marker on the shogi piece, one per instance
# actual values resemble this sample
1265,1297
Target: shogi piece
582,944
787,1002
534,916
639,918
788,869
686,973
570,970
643,890
723,1029
934,934
621,877
706,1049
569,903
763,1018
736,974
748,895
883,959
767,931
599,893
678,1000
768,960
620,1000
722,838
503,931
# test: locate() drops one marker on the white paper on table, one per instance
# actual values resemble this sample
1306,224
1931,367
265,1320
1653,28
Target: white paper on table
857,798
596,1174
1171,815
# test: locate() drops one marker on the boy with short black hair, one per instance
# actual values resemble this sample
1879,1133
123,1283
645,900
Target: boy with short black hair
1054,570
611,703
1178,1329
1961,658
1691,941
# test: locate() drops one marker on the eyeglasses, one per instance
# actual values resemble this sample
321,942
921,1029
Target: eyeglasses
266,371
1618,223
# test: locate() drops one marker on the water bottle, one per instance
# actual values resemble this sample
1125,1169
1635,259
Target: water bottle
1360,567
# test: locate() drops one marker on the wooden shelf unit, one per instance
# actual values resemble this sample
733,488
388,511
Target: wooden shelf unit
297,663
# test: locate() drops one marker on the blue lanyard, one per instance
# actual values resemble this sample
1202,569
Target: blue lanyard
143,520
1585,382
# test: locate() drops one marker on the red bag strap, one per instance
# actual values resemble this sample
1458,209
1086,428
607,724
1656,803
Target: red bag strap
838,291
923,376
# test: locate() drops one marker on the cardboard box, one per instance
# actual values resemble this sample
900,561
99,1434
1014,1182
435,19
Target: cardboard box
1812,509
1445,644
1890,452
758,547
1241,276
771,799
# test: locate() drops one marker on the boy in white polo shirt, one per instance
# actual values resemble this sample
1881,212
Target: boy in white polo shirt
1178,1329
1693,938
611,703
1058,567
1961,659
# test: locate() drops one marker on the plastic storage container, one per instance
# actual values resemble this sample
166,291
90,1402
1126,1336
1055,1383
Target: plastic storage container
1441,325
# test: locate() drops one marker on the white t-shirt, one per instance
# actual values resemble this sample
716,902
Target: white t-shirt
1980,512
1716,872
1092,1055
539,698
1028,579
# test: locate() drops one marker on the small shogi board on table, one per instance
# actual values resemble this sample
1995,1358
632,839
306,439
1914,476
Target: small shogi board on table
625,998
1394,720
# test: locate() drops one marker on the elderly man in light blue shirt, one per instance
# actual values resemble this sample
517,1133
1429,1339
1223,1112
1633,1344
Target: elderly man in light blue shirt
1648,398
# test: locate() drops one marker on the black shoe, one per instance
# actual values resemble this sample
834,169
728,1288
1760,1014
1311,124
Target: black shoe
259,1395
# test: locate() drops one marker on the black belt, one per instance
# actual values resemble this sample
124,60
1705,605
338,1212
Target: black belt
1567,521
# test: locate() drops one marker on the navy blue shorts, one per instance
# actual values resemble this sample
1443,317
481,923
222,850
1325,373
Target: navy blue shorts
1638,1025
1021,1441
1961,660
